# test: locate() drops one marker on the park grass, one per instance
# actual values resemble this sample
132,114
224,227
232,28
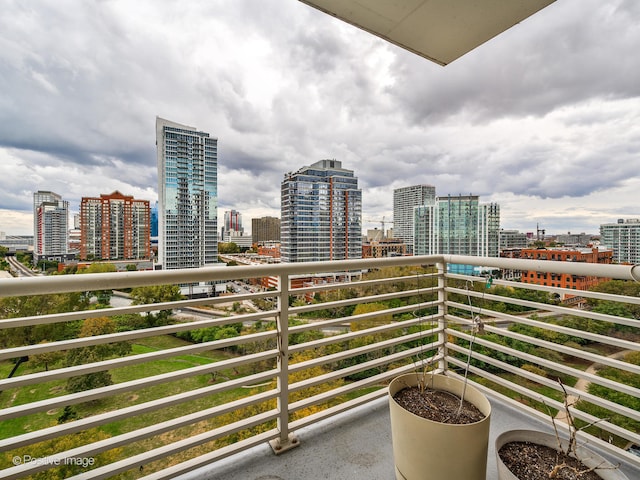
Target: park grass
39,392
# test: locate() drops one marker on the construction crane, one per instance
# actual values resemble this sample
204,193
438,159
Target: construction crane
382,223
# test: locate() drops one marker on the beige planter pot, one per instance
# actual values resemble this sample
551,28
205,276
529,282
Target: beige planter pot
586,456
428,450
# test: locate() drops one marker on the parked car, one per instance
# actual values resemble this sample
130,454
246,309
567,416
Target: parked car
634,449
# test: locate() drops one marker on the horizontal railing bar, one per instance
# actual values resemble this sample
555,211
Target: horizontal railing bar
96,393
333,339
116,280
553,384
344,372
365,316
549,364
550,402
83,369
17,352
360,300
187,466
121,280
110,312
545,288
551,308
620,272
583,354
337,409
339,322
161,452
544,417
363,283
147,307
373,380
123,413
295,367
596,337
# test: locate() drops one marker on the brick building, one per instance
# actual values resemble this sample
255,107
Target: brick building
115,227
574,282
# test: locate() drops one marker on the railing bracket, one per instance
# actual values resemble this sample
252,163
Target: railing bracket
280,447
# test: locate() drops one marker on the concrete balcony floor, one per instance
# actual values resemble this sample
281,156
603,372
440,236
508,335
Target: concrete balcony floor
357,445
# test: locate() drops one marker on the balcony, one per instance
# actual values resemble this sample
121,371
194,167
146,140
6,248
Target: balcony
220,385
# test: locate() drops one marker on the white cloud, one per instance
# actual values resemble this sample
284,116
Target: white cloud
543,119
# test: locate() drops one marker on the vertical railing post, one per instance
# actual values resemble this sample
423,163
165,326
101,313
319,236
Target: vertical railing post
442,312
285,440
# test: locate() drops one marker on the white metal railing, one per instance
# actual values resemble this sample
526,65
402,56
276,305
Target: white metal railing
171,405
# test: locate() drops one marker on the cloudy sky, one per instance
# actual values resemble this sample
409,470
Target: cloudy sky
543,119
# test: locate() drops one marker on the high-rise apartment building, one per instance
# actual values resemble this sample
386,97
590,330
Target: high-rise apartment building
50,226
404,201
623,238
457,226
187,196
115,227
232,223
265,229
321,214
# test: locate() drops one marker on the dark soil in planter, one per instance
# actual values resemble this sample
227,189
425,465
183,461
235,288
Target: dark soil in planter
529,461
438,406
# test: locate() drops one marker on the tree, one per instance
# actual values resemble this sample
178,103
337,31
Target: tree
617,287
228,247
156,294
369,323
48,266
94,353
38,305
103,296
47,358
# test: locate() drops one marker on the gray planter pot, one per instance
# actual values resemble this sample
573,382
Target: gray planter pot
428,450
586,456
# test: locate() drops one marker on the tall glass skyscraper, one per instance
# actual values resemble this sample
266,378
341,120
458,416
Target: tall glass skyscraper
457,226
404,201
321,214
187,196
50,226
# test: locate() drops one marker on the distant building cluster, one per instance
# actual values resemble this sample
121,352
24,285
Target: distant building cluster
321,220
405,200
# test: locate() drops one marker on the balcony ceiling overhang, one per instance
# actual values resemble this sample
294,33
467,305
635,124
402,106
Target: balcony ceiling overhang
439,30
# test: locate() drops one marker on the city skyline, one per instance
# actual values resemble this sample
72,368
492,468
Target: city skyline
542,119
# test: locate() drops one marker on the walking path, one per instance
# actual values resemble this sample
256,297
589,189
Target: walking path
583,385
